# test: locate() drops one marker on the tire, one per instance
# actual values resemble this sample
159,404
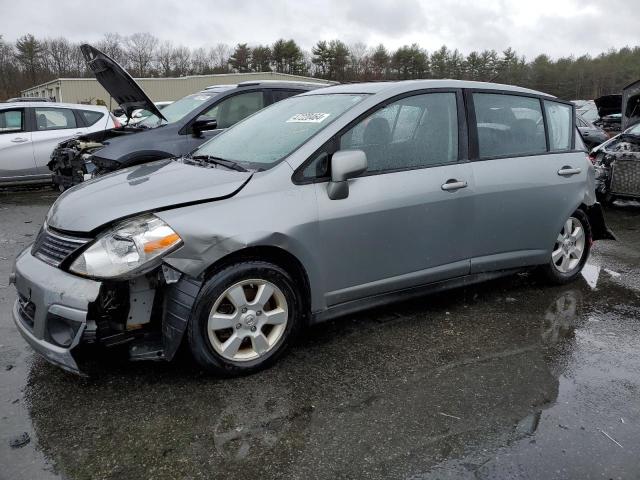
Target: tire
238,327
563,267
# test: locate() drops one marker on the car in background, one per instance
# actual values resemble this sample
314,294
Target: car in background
29,131
590,133
173,131
28,99
322,205
617,161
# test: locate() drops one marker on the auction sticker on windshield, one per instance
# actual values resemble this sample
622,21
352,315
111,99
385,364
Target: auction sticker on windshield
308,117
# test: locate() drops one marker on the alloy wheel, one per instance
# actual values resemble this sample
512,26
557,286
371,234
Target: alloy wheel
569,247
247,320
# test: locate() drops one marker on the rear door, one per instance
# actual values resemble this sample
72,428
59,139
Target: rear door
528,177
16,148
52,126
407,220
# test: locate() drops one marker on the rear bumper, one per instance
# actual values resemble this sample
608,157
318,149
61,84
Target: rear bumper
51,309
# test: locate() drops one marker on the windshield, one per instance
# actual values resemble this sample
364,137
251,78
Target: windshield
273,133
178,109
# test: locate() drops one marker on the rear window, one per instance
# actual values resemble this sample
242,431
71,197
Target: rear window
91,118
509,125
559,125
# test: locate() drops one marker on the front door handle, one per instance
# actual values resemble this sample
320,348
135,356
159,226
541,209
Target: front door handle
567,171
19,140
452,185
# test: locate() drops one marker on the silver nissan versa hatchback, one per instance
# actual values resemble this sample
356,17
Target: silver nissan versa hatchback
326,203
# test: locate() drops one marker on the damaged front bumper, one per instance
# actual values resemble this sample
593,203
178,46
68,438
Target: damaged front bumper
57,312
51,309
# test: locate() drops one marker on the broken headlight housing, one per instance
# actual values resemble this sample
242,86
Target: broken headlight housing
131,247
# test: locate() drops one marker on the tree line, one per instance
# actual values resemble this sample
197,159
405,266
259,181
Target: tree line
29,61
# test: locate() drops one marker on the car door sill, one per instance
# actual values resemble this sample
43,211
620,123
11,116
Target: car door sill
379,300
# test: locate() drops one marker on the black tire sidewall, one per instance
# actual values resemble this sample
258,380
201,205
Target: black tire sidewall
201,348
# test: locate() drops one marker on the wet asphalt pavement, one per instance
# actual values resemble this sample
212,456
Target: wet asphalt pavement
510,379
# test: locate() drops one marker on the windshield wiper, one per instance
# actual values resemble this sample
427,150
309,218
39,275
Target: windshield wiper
230,164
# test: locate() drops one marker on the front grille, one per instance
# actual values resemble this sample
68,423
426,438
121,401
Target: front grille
53,248
625,176
27,311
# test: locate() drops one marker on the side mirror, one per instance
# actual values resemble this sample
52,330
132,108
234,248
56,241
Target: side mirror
202,124
345,164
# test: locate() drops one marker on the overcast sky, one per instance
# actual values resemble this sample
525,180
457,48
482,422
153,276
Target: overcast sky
555,27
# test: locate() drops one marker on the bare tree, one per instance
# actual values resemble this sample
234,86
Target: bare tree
358,58
113,45
200,61
140,51
165,58
182,60
59,55
219,55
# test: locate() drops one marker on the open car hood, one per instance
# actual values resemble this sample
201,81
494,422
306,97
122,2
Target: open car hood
631,105
117,82
608,104
155,186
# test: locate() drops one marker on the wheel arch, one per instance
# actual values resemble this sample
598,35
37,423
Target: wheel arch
272,254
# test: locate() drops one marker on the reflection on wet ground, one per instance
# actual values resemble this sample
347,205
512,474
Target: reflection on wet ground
508,379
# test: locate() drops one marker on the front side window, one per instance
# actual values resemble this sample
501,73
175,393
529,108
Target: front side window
12,121
275,132
508,125
236,108
54,118
559,117
417,131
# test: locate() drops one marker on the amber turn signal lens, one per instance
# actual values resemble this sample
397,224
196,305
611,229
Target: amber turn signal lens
162,243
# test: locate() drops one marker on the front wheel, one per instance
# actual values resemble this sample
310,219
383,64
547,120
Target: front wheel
245,317
570,250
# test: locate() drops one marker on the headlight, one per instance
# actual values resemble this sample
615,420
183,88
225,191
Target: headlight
131,246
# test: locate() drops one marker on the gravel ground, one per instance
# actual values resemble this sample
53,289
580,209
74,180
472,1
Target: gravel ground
510,379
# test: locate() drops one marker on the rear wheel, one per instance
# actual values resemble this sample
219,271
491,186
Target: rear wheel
245,318
570,250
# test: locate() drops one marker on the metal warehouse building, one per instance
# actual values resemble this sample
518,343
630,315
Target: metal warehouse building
88,90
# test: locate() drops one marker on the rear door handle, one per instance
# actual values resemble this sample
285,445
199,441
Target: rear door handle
568,171
453,185
19,140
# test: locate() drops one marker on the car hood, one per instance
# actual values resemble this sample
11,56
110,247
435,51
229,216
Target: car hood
631,105
117,82
154,186
608,104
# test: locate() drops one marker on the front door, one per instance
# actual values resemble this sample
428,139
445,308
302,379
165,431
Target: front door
16,148
407,220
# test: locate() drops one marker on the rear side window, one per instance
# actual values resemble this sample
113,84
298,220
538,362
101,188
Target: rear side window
12,121
508,125
559,125
416,131
54,118
90,117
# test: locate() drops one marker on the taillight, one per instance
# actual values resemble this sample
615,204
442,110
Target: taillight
116,122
